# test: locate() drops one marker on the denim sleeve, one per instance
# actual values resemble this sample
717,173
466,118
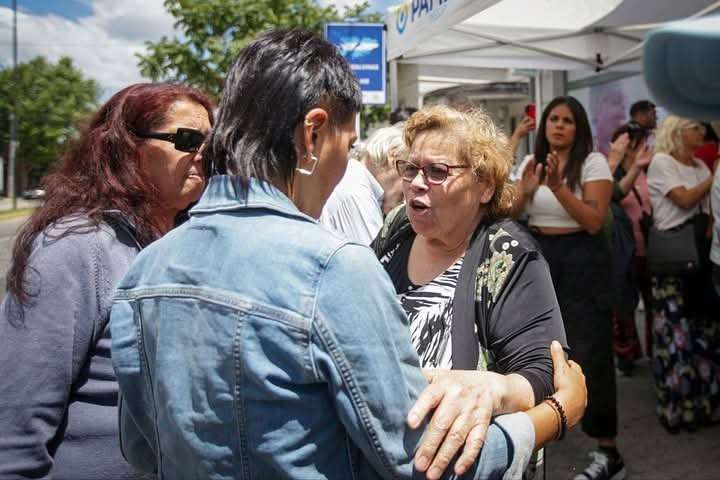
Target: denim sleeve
42,348
361,348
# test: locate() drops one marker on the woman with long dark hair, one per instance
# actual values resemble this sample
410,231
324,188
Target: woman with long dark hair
121,185
565,189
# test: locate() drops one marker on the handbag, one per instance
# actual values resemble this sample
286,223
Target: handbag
673,251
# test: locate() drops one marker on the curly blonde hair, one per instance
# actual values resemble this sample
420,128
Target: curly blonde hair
482,144
668,137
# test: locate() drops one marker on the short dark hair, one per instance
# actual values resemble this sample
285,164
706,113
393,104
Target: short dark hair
640,107
273,83
582,146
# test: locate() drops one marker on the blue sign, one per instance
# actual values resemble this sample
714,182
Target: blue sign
363,46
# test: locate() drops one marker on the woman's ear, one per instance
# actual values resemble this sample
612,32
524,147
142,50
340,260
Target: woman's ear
306,132
315,122
488,189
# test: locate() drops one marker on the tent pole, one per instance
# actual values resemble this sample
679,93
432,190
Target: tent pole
495,44
518,44
647,26
537,84
394,101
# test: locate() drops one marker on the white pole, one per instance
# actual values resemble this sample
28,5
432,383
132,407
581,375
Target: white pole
13,118
394,100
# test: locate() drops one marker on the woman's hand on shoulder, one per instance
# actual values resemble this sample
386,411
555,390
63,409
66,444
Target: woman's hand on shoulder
570,389
463,403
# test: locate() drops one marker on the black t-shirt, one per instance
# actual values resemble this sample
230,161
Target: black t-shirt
515,287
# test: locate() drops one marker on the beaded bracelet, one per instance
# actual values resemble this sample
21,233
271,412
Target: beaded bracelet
558,422
555,404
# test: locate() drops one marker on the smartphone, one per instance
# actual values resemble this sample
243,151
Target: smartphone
530,110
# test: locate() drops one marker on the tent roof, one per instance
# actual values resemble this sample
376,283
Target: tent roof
539,34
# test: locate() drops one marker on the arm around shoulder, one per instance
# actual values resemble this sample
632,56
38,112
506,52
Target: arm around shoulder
359,330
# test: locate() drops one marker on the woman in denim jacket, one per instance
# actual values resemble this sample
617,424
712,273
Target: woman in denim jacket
252,343
113,191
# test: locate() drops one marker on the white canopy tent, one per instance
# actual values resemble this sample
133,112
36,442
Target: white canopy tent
590,35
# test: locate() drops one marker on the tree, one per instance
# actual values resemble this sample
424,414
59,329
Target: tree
214,31
51,100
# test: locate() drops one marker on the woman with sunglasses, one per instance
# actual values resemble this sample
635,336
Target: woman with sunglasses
122,184
453,236
685,308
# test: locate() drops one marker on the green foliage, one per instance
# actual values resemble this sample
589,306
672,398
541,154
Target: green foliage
212,32
51,100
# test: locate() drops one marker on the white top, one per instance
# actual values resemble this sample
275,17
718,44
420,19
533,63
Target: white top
715,200
544,209
354,209
664,174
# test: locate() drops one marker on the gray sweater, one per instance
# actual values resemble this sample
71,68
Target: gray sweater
58,392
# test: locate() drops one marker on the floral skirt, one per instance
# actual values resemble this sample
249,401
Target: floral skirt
686,354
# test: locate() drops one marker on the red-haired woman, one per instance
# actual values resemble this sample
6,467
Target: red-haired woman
125,181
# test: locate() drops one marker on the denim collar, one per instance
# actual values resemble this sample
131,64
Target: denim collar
224,194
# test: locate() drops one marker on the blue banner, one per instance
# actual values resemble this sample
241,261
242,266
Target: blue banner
363,46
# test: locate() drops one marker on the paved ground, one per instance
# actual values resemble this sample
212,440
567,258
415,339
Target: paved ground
650,453
7,236
6,203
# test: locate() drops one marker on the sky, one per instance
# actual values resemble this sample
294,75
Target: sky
102,37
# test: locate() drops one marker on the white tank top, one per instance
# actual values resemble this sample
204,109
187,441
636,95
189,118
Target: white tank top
544,209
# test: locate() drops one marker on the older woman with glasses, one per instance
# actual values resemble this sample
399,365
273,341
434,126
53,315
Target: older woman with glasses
121,185
477,291
251,342
685,333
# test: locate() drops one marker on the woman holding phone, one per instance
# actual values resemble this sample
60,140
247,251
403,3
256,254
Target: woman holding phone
565,189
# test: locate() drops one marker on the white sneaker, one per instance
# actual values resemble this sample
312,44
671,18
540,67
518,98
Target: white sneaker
603,467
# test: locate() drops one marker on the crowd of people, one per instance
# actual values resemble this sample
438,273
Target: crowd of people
235,291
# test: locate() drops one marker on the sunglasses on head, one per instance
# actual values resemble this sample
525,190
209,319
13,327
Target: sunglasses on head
184,139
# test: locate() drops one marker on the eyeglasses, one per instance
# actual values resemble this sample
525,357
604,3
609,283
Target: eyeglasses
185,139
435,173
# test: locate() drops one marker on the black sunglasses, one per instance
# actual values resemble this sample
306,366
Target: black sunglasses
435,173
185,139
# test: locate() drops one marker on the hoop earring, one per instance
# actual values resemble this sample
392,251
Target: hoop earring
311,170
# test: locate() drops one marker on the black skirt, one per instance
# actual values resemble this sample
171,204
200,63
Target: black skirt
581,267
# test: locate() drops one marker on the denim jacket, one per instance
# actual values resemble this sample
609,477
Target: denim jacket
252,343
